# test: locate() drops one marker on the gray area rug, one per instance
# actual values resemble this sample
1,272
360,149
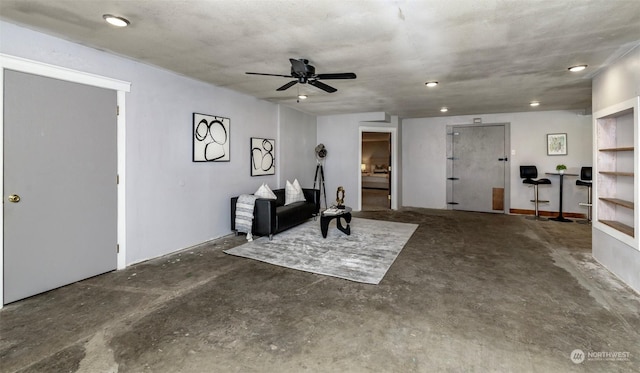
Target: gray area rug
364,256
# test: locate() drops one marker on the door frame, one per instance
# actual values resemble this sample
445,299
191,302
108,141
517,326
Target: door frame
19,64
450,129
393,131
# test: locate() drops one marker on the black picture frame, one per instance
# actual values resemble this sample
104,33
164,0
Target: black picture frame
263,159
211,137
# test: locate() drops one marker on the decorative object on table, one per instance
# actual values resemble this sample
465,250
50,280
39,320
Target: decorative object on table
321,153
332,211
211,138
263,161
340,197
556,144
561,168
364,256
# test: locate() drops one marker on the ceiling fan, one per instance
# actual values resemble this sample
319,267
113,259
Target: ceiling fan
304,73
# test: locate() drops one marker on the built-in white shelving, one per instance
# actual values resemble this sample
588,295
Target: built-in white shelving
616,171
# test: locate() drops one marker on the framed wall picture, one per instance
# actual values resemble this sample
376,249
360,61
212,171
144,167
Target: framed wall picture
556,144
211,138
263,159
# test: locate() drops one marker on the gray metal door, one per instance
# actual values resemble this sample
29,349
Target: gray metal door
60,202
478,171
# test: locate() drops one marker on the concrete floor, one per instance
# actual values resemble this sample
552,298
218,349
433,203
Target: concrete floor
470,292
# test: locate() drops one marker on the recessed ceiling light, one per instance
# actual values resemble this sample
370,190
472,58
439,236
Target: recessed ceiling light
431,84
116,21
534,103
444,109
575,69
302,97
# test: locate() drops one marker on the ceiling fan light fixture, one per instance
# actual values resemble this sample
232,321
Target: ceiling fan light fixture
576,68
431,84
304,73
302,97
116,21
534,103
444,109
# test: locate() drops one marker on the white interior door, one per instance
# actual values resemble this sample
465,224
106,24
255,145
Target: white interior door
478,172
60,167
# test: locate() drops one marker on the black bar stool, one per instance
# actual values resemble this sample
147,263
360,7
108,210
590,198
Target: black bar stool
529,173
585,180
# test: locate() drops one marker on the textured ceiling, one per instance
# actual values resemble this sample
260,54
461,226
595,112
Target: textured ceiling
489,56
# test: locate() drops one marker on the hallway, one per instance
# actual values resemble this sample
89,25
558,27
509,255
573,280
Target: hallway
375,199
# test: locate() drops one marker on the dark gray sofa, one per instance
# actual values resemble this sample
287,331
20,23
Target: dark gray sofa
272,216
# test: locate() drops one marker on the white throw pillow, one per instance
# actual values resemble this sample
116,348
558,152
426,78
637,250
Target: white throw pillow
293,193
265,192
271,193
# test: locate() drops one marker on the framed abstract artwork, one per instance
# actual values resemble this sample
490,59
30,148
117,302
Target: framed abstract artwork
263,160
556,144
211,138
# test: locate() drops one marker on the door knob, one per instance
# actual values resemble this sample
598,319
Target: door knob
14,198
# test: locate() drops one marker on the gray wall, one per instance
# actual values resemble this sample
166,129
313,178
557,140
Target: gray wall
617,83
340,134
424,156
172,202
297,134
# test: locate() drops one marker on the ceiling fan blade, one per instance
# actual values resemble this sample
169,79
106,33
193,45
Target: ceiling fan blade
285,76
322,86
287,86
337,76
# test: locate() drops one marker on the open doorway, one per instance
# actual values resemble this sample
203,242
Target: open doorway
376,171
